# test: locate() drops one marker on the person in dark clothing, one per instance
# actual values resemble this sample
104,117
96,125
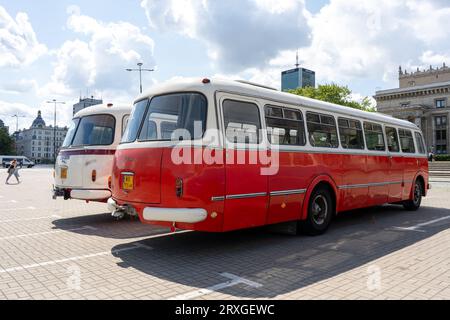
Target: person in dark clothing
13,170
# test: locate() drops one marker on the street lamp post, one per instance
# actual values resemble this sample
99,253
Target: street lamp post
17,129
140,69
54,128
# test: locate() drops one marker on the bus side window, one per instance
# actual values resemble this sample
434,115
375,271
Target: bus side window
351,134
374,136
407,141
322,130
392,139
420,144
285,126
242,122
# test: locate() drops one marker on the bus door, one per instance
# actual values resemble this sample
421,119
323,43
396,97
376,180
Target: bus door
246,187
396,165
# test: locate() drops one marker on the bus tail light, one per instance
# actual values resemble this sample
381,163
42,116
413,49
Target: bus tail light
94,175
179,187
109,182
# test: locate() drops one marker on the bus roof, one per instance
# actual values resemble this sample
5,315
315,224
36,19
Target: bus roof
243,88
115,109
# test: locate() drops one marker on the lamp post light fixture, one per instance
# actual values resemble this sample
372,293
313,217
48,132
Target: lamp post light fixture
140,69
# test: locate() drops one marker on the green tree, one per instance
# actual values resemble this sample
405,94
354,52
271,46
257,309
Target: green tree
6,143
336,94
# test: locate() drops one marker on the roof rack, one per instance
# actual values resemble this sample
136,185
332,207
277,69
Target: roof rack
256,85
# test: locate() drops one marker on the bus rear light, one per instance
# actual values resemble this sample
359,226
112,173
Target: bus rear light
94,175
206,81
214,215
179,187
109,182
109,105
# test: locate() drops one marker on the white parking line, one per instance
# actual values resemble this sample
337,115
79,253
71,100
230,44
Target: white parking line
16,209
234,280
31,219
167,234
418,226
46,233
83,257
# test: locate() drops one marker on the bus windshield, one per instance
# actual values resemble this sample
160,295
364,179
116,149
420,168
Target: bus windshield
168,117
95,130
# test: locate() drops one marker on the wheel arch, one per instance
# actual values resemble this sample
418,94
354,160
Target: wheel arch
419,177
322,180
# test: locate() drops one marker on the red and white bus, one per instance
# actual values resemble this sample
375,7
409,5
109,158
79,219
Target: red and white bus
252,156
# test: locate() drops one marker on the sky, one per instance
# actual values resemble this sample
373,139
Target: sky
60,49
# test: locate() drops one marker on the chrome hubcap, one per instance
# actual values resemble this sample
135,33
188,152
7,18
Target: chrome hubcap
319,210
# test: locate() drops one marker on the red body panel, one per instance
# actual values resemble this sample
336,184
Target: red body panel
156,174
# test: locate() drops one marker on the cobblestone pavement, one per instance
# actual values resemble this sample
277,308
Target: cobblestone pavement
73,250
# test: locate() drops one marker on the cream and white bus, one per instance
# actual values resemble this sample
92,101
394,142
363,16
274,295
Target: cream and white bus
84,164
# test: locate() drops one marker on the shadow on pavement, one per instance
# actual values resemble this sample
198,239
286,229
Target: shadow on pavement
103,225
280,263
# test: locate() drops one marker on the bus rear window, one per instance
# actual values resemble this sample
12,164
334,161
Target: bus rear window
174,117
96,130
134,121
71,133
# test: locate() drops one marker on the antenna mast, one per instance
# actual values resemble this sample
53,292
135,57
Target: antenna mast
296,61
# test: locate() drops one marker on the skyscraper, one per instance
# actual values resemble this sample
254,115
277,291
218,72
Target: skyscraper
297,78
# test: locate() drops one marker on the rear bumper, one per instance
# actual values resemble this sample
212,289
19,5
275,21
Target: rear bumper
79,194
183,215
154,214
90,194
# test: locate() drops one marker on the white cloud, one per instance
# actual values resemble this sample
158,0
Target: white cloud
28,113
99,63
354,39
431,58
20,87
239,34
346,41
18,41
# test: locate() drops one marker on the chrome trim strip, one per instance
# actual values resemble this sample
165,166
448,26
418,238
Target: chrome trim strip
367,185
216,199
246,195
287,192
127,173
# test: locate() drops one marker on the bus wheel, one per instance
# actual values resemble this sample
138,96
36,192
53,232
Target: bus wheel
320,212
414,204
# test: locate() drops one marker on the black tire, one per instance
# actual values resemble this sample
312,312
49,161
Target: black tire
414,204
321,210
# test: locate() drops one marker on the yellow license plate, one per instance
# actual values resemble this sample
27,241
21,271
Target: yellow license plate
63,173
127,182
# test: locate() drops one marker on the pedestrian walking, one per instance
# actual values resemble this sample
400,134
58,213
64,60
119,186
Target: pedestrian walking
13,169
